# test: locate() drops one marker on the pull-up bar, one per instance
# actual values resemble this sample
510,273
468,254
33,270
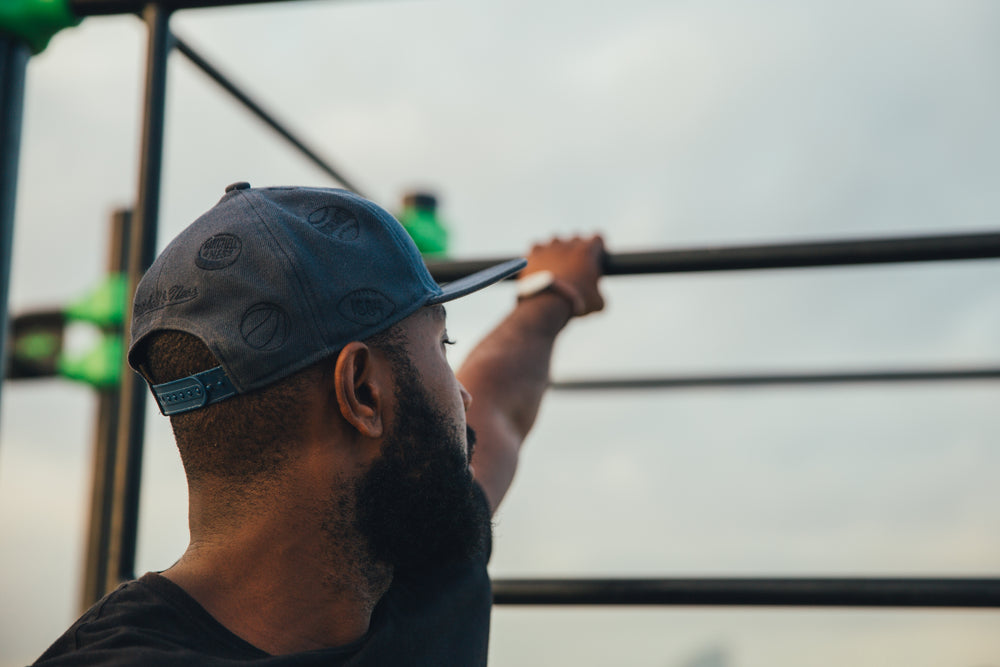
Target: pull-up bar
256,109
824,592
772,379
776,256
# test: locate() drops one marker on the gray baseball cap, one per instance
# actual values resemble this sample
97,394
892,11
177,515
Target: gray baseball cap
274,279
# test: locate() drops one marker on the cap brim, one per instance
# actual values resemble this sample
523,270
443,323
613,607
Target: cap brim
479,280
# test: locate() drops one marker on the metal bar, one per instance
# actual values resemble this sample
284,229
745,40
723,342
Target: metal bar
859,377
95,583
14,56
142,252
104,7
774,256
824,592
244,99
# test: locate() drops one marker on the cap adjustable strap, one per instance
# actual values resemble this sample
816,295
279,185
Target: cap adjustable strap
194,391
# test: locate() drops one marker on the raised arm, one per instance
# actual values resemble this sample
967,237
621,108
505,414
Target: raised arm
508,372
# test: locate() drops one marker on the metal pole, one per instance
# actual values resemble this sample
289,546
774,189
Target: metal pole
775,256
95,583
826,592
14,56
255,108
142,252
103,7
690,381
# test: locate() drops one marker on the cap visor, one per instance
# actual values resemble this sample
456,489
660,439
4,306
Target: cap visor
479,280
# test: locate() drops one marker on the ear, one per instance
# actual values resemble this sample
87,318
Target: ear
360,389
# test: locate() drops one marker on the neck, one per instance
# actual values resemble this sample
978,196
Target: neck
285,581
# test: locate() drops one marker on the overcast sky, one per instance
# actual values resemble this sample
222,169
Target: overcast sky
661,124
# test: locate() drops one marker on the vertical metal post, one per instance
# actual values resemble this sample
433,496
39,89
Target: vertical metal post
95,583
14,56
142,252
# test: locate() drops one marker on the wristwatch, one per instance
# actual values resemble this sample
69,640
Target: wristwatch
540,282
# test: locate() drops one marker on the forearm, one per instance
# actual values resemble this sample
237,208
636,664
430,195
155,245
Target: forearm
507,375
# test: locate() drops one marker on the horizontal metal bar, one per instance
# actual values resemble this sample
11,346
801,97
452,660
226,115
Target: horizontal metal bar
774,256
821,592
104,7
859,377
213,72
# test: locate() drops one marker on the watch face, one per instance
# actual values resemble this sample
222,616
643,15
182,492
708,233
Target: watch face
533,283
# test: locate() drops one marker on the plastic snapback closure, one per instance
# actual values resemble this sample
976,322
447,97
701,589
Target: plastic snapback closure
193,392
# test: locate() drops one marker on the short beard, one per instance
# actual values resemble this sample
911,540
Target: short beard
418,505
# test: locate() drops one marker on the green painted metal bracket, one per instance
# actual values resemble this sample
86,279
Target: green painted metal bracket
36,21
100,367
104,305
37,338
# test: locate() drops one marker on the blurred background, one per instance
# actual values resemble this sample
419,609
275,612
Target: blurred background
662,125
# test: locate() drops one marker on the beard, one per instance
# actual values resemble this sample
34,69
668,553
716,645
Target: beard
417,505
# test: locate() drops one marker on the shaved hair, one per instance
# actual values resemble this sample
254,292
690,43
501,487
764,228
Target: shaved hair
246,439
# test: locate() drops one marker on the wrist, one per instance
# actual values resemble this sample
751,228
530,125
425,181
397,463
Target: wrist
545,282
545,313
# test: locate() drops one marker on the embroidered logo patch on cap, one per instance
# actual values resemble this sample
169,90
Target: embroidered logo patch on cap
218,252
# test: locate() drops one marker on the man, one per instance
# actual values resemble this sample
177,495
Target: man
337,514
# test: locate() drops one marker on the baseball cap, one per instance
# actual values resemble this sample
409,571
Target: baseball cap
274,279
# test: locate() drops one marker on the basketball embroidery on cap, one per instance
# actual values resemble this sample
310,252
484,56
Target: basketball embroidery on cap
336,222
366,306
218,252
265,327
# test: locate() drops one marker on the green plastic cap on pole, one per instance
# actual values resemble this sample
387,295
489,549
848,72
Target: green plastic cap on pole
100,367
37,347
36,21
104,305
419,218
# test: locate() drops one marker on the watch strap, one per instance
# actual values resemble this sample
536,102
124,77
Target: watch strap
541,282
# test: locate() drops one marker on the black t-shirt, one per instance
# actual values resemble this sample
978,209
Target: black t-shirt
439,618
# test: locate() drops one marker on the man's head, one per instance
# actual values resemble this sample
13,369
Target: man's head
414,505
272,280
285,318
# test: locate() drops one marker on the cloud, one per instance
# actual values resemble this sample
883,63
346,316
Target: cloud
664,125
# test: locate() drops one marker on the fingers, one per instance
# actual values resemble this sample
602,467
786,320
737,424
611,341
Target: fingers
575,261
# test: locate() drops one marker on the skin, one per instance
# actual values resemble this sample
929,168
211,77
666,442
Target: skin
508,387
267,575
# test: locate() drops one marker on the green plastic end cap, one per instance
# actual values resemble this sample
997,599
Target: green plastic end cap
36,21
426,230
101,367
104,305
419,218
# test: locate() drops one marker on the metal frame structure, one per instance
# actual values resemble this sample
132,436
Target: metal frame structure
14,55
95,570
776,256
797,592
115,538
776,379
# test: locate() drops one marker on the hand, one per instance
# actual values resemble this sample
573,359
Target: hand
576,262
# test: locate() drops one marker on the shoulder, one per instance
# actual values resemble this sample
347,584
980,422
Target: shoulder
150,621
